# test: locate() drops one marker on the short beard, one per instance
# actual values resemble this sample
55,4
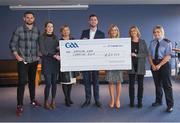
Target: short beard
29,23
93,26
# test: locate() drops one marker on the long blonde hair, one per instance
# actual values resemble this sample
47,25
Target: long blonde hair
110,28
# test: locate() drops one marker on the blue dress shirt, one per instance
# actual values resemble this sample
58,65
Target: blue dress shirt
165,48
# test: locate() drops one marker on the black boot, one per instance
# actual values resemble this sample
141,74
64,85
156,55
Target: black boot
65,90
67,103
139,103
131,102
69,94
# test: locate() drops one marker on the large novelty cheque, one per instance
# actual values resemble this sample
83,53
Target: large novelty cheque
95,54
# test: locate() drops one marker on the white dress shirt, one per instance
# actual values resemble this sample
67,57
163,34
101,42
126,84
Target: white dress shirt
92,33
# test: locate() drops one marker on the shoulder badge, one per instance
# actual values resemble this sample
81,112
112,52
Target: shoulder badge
167,40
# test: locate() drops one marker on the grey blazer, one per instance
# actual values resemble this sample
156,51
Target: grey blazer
142,54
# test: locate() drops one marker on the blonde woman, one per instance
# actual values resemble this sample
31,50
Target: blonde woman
139,53
114,77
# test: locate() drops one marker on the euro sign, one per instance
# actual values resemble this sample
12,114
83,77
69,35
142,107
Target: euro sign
71,45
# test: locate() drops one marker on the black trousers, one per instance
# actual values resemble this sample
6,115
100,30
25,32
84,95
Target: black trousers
88,78
162,82
140,79
26,73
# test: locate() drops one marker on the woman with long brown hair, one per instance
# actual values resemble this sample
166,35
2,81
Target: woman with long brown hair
50,66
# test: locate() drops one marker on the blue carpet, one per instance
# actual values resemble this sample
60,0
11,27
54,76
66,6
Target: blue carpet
91,113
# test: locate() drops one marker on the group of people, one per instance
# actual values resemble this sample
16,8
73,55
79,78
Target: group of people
26,42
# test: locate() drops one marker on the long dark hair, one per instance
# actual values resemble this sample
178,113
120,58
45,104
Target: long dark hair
45,32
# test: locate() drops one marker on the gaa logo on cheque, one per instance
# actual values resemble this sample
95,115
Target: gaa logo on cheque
71,45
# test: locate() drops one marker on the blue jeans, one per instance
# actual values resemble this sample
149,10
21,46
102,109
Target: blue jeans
88,78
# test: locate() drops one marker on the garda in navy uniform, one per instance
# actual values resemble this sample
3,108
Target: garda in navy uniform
162,76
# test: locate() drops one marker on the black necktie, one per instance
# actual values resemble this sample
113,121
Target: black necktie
156,50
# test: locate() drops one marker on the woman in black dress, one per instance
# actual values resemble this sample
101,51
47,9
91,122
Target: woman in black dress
50,66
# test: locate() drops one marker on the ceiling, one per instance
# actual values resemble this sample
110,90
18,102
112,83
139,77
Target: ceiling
87,2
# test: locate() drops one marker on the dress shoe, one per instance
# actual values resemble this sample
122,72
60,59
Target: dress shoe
139,105
35,103
169,109
19,110
156,104
85,104
98,104
131,105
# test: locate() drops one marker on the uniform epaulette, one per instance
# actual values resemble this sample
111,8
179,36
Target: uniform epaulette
167,40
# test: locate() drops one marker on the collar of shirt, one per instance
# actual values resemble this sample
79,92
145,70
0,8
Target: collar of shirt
92,33
26,28
159,39
164,48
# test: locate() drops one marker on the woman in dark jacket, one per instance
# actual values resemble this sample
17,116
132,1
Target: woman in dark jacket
66,77
50,66
139,53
